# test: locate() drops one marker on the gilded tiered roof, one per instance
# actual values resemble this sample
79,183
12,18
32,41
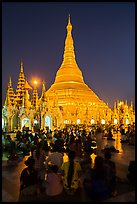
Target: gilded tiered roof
10,94
20,87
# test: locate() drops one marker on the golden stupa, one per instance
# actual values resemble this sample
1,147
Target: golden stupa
73,96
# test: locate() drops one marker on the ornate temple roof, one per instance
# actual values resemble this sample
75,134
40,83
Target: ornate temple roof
27,86
10,94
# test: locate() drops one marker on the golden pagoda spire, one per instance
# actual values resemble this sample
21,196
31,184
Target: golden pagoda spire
43,90
10,82
21,67
69,26
20,87
69,54
69,68
115,105
35,97
43,98
10,94
43,87
131,105
7,101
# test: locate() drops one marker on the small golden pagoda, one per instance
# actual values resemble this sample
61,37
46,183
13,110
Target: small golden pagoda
77,101
10,93
20,87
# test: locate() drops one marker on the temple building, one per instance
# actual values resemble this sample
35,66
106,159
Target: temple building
68,101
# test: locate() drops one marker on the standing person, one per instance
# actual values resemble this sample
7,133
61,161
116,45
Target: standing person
111,171
54,185
78,148
28,181
71,172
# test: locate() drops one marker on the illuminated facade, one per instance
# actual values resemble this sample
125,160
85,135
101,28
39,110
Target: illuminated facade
123,114
68,101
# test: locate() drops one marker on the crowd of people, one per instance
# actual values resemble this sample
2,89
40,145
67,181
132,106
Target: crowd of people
61,163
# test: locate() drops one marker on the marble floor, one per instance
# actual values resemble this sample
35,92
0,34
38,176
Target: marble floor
11,174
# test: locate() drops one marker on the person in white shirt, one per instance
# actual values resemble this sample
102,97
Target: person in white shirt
55,158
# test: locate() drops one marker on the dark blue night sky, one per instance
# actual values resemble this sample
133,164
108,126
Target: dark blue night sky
104,41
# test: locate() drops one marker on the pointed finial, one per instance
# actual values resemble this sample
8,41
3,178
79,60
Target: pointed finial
43,86
131,104
69,26
115,105
10,82
21,66
69,19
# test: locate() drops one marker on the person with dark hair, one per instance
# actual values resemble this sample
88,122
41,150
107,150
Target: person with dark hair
87,145
55,157
8,142
96,186
86,163
13,157
54,185
71,172
131,172
28,181
111,172
39,155
78,148
110,135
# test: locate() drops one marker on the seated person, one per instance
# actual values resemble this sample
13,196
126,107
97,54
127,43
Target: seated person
71,172
111,148
28,181
110,135
53,185
96,184
124,138
131,172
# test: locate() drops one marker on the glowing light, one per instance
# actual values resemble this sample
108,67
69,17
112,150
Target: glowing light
65,158
127,121
48,122
92,121
78,121
2,123
35,122
66,121
35,82
26,122
115,121
103,121
93,156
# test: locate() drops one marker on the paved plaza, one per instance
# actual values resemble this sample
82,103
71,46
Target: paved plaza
126,192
